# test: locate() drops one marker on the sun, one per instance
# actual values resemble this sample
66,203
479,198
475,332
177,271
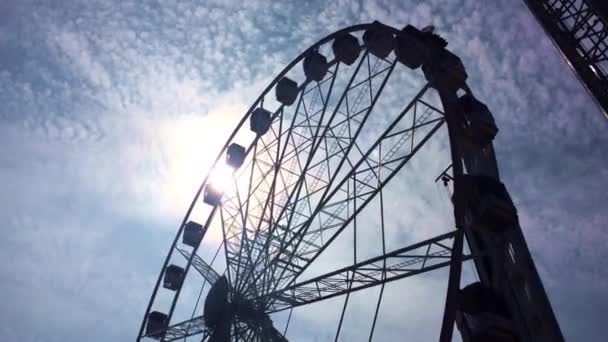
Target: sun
191,144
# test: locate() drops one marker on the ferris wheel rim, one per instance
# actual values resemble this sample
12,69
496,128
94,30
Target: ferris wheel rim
259,100
471,130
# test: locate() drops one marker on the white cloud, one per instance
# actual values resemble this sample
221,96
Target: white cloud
114,110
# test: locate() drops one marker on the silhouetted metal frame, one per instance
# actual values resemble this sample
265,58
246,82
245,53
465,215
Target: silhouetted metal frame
284,243
515,238
221,155
366,196
301,182
391,266
312,139
579,30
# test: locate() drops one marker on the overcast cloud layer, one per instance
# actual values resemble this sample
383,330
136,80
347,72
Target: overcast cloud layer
111,111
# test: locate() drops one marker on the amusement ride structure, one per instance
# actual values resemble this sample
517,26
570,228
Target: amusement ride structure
306,160
579,30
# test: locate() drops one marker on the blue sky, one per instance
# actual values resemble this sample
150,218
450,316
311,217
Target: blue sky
112,110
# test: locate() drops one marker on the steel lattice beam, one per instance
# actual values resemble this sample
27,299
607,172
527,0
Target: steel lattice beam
347,119
311,172
330,211
579,29
201,266
300,140
297,191
404,262
195,326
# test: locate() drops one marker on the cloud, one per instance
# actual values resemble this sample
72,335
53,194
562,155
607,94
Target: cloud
112,112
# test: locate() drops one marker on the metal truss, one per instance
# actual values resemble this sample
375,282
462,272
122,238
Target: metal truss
579,29
308,178
419,258
239,216
310,135
331,215
408,261
362,183
210,275
247,210
196,326
192,327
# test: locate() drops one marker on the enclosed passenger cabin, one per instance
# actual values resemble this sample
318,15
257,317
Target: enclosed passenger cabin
174,277
315,66
489,203
212,195
235,155
476,298
410,47
486,327
193,234
447,68
378,39
485,315
156,324
346,48
286,91
260,121
216,302
415,47
479,125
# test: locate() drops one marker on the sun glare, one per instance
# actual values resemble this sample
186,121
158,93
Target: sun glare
190,145
221,177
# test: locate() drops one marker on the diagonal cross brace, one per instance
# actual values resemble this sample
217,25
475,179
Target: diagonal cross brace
404,262
201,266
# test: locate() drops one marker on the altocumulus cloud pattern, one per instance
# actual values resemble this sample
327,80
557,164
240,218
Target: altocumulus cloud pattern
111,111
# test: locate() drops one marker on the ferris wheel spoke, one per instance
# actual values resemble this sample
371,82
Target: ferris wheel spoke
344,125
364,191
280,162
288,191
307,174
408,261
191,327
205,270
259,232
229,223
310,122
291,163
287,216
244,214
298,155
251,203
371,171
263,332
345,151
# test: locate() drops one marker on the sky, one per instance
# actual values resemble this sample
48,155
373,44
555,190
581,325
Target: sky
113,110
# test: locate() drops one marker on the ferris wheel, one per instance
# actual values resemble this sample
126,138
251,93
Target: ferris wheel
314,154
